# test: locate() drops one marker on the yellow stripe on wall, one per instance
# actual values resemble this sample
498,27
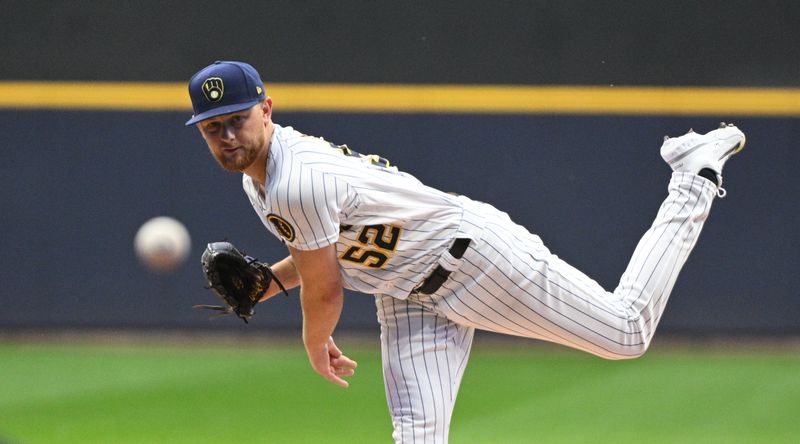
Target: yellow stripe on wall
141,96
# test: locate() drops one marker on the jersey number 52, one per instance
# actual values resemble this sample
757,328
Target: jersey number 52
377,244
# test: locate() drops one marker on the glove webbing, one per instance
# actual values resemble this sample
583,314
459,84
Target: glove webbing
226,310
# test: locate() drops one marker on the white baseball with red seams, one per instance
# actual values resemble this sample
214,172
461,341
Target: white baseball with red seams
391,231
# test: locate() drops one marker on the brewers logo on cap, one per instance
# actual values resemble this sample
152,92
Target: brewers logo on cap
213,88
283,228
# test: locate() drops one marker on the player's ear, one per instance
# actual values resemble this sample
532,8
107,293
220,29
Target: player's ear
266,108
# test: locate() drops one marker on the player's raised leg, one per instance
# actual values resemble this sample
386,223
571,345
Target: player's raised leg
424,356
509,281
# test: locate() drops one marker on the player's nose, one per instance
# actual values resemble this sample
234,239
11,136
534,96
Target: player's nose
228,132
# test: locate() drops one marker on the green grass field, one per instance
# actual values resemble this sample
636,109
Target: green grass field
189,393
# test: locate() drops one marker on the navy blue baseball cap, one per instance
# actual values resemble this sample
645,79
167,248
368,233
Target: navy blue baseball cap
224,87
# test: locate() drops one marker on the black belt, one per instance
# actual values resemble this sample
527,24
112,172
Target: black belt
440,274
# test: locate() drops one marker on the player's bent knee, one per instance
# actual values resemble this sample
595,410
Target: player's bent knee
636,347
626,353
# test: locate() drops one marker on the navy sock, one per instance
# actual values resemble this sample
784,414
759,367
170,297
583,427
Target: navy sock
709,174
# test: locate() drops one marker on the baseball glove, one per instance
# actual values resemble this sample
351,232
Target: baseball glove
236,278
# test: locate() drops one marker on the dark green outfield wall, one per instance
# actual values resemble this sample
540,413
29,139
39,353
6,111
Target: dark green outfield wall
683,42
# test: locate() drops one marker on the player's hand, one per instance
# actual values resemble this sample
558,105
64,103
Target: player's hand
330,363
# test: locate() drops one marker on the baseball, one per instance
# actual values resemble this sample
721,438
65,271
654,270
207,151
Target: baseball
162,244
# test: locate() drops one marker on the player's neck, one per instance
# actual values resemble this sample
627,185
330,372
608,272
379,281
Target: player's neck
258,169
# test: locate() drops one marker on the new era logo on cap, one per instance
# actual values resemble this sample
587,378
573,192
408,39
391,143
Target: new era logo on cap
224,87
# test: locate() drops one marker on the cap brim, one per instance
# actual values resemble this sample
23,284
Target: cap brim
221,110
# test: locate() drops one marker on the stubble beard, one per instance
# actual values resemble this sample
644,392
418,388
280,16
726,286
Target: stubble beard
242,159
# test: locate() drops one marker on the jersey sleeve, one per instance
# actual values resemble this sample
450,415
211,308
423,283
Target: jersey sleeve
306,208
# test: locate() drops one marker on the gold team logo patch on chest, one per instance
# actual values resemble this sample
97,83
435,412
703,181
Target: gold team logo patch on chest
213,89
283,228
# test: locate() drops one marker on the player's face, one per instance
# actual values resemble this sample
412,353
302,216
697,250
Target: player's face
237,139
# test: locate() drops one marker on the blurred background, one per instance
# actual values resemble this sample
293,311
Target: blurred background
81,173
78,182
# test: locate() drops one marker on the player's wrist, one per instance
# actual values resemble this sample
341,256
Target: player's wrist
272,290
314,343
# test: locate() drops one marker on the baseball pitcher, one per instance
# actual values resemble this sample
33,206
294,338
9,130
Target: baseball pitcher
439,265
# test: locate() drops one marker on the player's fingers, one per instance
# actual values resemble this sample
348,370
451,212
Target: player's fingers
331,376
333,350
342,371
343,361
330,373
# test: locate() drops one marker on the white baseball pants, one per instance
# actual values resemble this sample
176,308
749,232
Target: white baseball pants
509,282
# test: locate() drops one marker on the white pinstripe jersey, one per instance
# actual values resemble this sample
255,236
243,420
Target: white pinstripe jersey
388,227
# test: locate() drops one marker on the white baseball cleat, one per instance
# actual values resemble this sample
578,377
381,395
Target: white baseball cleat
693,152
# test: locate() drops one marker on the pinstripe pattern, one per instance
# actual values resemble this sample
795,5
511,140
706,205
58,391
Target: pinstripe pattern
316,189
424,356
510,283
507,280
